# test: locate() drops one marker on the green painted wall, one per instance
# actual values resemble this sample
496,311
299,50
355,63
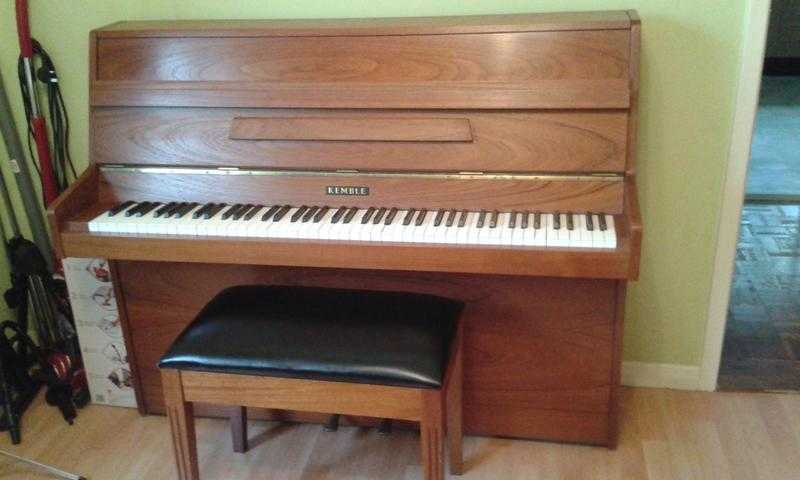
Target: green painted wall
690,61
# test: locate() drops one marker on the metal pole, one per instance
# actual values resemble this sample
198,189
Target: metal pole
19,166
55,471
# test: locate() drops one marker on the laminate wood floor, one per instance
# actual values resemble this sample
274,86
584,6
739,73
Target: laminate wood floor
665,435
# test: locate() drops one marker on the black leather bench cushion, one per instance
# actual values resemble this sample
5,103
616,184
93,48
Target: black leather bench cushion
382,338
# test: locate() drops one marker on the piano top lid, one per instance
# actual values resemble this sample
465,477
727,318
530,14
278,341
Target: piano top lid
562,21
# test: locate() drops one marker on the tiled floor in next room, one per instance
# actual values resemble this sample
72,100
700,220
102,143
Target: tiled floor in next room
762,338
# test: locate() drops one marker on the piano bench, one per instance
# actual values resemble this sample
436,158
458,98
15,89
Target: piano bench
364,353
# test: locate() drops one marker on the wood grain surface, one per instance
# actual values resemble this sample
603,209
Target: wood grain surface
539,69
601,195
520,141
599,54
444,25
480,259
346,128
537,351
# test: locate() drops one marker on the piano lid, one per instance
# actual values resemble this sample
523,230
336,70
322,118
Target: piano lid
550,61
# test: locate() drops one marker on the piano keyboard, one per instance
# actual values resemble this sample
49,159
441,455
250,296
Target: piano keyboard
374,224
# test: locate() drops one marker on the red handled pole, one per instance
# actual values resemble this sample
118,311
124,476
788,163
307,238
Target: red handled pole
37,121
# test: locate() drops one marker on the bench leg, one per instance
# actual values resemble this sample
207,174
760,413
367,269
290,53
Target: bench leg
238,420
432,435
454,417
181,421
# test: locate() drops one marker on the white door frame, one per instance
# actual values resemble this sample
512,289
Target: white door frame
753,46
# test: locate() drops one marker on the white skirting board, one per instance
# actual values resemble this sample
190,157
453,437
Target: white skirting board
661,375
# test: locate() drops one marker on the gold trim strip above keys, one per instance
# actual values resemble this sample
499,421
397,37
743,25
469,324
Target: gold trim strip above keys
549,177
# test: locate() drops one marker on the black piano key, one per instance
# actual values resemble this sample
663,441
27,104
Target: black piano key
270,212
281,213
298,214
133,211
451,217
321,213
438,219
409,216
379,215
120,207
570,222
537,220
253,211
367,215
482,218
390,217
164,209
589,222
421,217
512,220
211,212
348,217
199,213
240,213
603,225
171,210
524,223
174,210
557,221
148,209
462,219
338,215
493,221
186,209
309,214
231,211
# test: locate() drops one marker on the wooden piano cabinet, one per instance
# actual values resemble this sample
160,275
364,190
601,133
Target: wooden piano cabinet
541,356
533,112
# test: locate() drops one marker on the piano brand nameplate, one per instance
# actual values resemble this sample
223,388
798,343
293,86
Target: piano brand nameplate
347,190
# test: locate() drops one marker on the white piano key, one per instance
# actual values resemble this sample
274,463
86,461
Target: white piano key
365,230
313,229
339,230
355,229
557,237
495,235
573,235
377,231
209,226
610,234
506,233
121,223
187,225
282,228
540,235
465,233
583,236
418,231
597,236
242,226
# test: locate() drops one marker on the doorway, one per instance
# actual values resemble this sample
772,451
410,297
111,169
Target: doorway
761,348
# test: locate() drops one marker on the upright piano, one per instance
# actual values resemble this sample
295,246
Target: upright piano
484,158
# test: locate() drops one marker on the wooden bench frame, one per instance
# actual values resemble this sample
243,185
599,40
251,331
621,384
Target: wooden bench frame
433,408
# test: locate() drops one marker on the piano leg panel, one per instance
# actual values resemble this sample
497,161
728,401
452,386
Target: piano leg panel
541,355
